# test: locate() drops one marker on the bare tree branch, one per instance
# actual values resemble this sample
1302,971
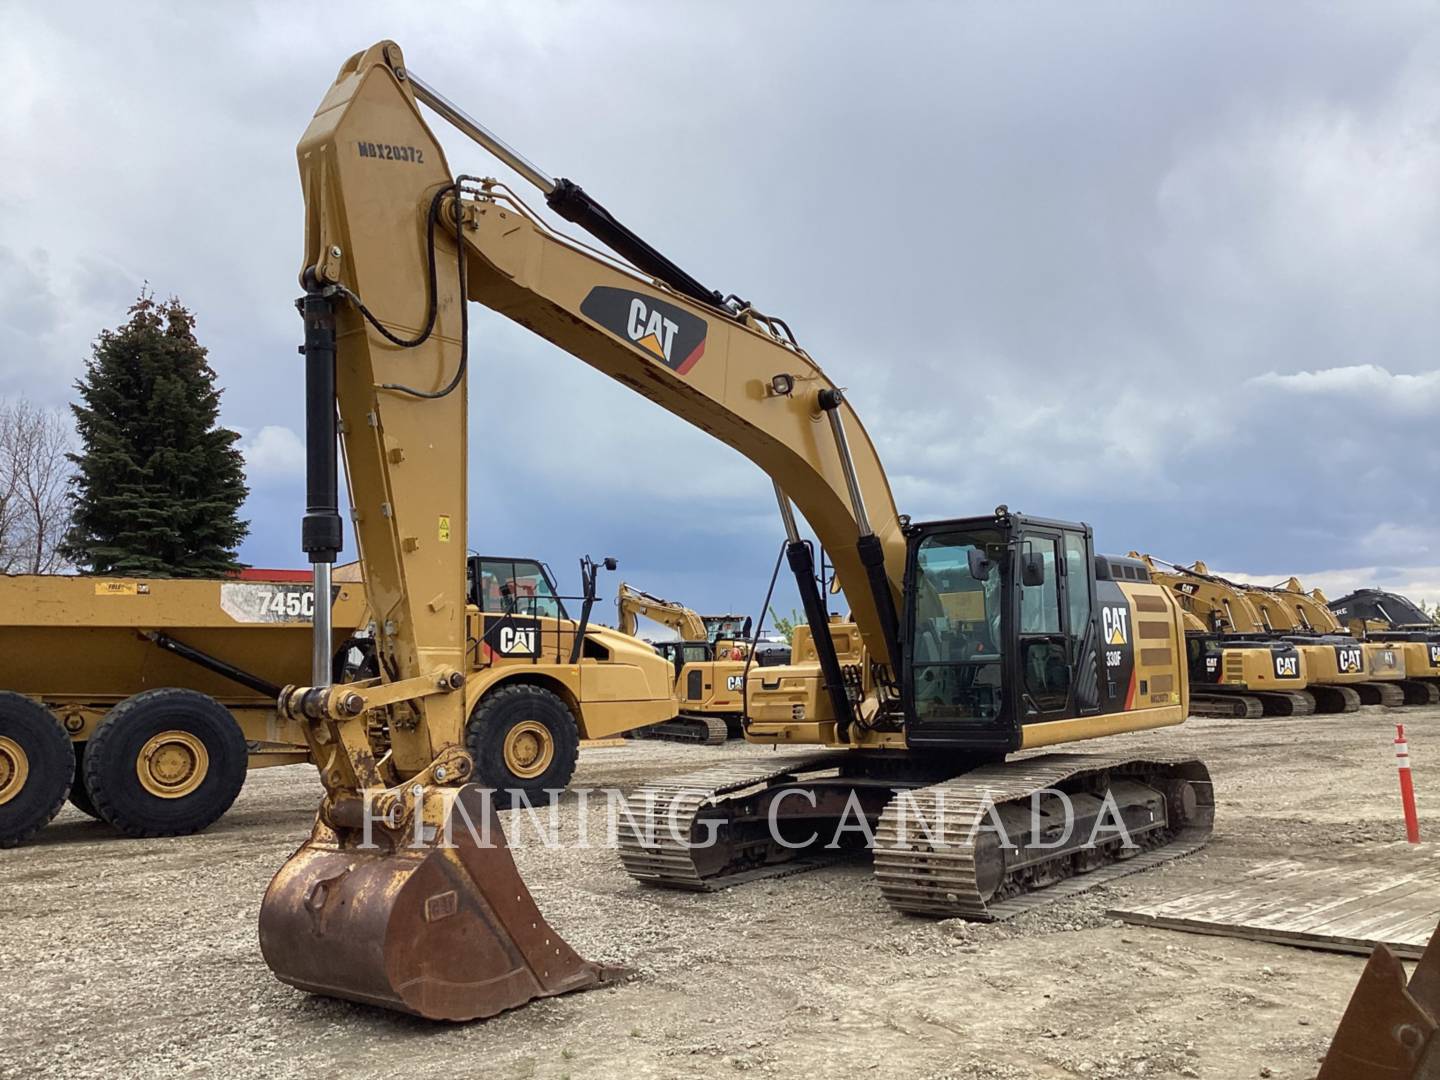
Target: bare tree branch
34,509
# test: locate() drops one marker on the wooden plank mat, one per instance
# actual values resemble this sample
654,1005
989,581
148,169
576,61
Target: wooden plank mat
1350,904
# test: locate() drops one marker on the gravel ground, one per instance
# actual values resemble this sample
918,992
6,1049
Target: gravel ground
139,958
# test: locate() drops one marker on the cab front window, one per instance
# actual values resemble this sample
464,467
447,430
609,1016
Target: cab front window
957,634
514,587
726,627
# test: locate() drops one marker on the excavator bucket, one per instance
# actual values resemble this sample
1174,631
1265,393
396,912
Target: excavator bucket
446,930
1390,1030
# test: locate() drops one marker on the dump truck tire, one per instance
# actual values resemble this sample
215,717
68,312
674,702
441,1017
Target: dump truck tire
523,738
79,797
165,763
36,768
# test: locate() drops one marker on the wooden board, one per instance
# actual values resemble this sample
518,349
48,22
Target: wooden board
1350,904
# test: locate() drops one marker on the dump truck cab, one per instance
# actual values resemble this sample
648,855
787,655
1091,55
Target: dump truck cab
540,677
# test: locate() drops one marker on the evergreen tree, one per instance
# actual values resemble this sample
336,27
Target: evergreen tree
158,485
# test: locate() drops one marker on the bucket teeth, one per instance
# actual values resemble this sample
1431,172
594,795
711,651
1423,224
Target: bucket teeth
446,930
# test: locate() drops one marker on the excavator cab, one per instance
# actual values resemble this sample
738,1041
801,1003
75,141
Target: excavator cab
681,653
727,632
1002,629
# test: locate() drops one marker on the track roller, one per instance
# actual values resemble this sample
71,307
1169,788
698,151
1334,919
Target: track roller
1029,849
688,728
1288,702
1389,694
1420,691
1227,706
935,849
1335,699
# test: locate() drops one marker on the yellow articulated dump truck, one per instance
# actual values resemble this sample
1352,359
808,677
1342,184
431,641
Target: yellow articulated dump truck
144,702
538,679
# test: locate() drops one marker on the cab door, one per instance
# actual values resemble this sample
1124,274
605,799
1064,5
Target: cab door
1044,656
1056,646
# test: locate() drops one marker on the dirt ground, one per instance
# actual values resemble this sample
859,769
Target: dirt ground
139,958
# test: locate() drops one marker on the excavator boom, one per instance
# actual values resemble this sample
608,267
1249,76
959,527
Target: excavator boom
728,369
405,895
394,248
632,603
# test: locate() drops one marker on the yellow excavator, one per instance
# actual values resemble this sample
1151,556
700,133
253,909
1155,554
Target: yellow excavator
632,604
1335,667
1234,674
1374,615
978,636
1289,610
709,658
729,634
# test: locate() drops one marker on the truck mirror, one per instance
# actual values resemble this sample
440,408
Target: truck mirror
1032,569
980,564
610,563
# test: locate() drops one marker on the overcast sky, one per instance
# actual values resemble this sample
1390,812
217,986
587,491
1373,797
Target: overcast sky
1168,269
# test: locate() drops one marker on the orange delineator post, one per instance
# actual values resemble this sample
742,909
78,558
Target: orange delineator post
1407,785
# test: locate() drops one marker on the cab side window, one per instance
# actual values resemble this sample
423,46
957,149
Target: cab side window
1045,653
1077,585
1040,604
494,587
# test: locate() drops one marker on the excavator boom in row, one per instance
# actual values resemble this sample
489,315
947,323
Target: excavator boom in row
972,638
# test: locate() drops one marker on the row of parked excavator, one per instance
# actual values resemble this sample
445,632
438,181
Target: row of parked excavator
1252,650
1280,650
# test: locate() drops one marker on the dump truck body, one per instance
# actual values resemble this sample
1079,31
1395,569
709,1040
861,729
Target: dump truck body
87,648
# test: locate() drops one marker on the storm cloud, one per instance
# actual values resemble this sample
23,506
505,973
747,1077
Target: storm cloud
1169,270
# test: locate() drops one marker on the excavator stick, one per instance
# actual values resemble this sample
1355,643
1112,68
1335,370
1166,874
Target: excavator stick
1390,1030
406,895
445,930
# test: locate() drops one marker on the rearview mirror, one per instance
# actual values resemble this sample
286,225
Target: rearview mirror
610,563
980,564
1032,569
